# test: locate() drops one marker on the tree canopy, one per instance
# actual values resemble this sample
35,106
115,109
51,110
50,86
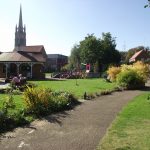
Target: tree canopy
90,49
75,59
96,51
110,54
148,4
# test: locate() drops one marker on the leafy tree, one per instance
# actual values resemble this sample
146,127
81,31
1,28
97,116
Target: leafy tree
96,67
90,49
98,52
110,54
75,59
148,4
123,55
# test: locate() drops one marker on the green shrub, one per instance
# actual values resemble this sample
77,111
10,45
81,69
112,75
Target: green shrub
19,117
37,100
44,101
7,118
130,76
8,104
61,100
130,79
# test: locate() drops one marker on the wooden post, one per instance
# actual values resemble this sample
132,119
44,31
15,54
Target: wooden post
31,70
6,69
18,64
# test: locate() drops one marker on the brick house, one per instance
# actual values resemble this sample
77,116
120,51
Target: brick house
26,60
142,55
56,61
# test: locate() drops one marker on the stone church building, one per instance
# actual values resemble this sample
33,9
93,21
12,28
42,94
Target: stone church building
26,60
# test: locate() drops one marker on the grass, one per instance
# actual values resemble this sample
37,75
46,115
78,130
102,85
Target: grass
17,100
83,85
131,129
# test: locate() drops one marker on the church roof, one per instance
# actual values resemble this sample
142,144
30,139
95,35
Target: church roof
30,49
34,49
13,56
21,56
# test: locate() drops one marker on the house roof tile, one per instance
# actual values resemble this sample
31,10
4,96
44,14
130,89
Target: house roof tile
33,48
24,54
135,55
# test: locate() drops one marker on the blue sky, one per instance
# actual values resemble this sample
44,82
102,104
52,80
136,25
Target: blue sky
59,24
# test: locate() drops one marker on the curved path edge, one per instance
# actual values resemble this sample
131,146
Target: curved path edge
79,129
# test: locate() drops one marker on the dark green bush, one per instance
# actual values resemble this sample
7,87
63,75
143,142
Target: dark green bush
130,79
61,100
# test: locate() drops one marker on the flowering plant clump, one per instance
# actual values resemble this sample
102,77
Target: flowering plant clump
142,69
130,76
112,72
42,101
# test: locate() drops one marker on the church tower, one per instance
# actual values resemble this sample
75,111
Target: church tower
20,32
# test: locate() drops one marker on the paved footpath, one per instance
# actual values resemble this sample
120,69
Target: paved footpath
78,129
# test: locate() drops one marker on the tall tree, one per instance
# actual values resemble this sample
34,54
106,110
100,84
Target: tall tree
110,54
75,59
98,52
90,49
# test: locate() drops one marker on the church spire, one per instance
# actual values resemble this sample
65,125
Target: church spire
20,32
20,18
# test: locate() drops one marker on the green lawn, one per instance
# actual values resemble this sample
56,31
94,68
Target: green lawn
131,129
83,85
17,99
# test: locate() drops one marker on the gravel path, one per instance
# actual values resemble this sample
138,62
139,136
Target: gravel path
78,129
